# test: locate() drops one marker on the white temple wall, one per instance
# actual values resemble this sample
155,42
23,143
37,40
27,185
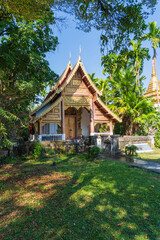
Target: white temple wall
85,122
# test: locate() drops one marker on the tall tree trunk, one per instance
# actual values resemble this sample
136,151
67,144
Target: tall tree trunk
154,59
136,73
127,125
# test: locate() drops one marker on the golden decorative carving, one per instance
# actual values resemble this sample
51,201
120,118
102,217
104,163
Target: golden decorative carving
76,82
52,116
70,90
52,121
77,107
56,110
82,90
77,100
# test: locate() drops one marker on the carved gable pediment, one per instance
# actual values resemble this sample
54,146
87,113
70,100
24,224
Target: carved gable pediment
77,86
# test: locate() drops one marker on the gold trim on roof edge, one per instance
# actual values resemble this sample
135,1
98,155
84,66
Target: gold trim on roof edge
69,78
48,109
109,111
73,71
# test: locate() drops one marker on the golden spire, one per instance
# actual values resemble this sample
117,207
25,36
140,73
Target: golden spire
154,86
153,69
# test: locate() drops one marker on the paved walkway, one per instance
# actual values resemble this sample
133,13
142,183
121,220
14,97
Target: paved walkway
152,166
149,165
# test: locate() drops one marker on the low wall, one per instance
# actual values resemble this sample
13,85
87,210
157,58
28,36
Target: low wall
79,144
123,141
110,144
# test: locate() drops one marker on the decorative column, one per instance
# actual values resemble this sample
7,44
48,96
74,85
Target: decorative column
62,119
40,130
91,117
40,127
76,123
111,127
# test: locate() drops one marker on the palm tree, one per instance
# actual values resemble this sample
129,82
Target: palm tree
138,55
110,63
101,85
127,100
154,36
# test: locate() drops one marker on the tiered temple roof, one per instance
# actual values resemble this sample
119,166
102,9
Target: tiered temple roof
54,96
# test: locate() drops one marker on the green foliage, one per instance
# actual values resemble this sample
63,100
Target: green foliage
50,151
93,152
37,150
116,201
102,86
29,9
25,72
119,128
103,128
72,150
153,35
116,20
61,149
125,94
131,150
157,139
6,117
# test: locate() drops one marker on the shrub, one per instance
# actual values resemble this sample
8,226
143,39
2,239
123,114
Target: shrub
157,139
119,128
61,149
131,150
103,128
50,151
93,152
71,149
37,150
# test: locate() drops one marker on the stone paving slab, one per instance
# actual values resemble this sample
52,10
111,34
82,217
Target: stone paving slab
149,165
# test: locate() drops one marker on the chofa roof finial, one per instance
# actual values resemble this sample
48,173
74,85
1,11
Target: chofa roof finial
70,58
80,53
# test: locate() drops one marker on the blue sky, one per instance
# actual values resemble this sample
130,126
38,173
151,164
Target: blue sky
70,40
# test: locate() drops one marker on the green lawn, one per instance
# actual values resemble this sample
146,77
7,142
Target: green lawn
150,156
83,200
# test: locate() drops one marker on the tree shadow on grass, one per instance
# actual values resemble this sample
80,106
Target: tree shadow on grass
85,200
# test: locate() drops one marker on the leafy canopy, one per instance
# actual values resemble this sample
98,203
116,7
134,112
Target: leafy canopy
117,20
124,88
25,73
29,9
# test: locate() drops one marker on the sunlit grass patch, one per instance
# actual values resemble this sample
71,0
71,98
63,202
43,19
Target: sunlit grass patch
150,156
80,200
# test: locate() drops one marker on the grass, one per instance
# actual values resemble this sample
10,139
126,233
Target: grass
150,156
82,200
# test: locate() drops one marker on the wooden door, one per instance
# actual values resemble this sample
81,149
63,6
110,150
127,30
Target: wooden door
70,127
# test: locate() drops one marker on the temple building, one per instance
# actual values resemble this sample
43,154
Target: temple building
72,108
153,90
